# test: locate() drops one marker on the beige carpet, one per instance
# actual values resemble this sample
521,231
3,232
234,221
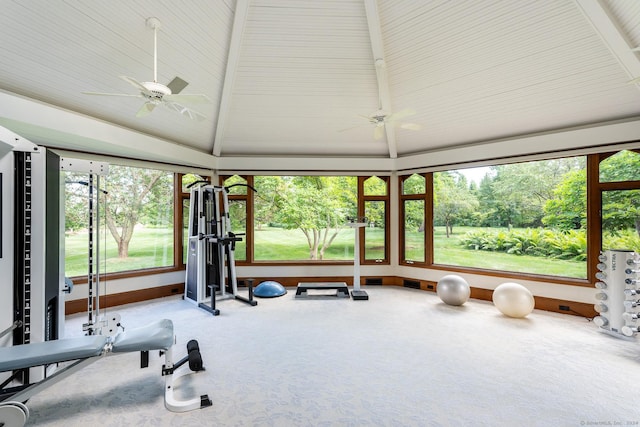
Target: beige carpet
403,358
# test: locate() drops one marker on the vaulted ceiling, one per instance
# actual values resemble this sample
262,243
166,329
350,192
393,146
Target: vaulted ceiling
299,78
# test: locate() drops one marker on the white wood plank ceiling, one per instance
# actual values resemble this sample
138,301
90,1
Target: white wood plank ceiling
296,77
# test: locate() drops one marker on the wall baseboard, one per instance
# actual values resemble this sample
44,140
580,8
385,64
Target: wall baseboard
112,300
542,303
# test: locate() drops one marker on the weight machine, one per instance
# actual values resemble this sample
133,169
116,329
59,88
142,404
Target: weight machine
32,283
96,325
211,268
32,263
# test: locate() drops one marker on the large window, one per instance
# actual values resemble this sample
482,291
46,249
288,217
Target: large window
375,201
303,218
619,176
413,226
238,212
521,217
135,229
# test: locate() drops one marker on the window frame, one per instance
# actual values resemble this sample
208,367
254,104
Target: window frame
177,244
596,191
594,228
428,219
252,261
385,199
248,200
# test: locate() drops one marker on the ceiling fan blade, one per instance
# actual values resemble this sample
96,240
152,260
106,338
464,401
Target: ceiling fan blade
188,98
176,85
367,118
400,115
410,126
352,127
192,114
146,109
133,82
111,94
378,132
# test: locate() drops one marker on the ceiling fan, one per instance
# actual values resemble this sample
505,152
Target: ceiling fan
381,118
158,94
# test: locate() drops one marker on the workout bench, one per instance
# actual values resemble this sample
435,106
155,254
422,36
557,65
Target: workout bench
88,349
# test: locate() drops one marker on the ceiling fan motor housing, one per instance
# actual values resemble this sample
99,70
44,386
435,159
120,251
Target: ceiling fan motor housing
158,90
377,117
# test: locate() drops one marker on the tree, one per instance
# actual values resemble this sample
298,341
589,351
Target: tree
621,209
375,210
268,199
76,213
622,166
521,189
318,206
567,210
486,215
452,199
131,193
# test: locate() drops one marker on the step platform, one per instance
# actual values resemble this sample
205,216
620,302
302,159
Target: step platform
342,291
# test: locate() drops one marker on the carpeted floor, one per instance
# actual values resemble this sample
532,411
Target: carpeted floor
403,358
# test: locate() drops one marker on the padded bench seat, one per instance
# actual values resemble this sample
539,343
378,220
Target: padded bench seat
155,336
44,353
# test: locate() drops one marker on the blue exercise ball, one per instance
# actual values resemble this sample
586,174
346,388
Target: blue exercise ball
269,289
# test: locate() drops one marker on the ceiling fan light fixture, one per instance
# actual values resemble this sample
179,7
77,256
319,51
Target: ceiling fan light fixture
157,89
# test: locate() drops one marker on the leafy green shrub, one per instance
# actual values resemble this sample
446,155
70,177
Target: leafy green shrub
624,239
570,245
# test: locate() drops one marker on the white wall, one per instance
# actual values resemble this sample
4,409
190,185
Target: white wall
116,286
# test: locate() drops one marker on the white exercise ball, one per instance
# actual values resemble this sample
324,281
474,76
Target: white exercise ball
513,300
453,290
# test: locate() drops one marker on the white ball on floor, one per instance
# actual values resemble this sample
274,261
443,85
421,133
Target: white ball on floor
513,300
453,290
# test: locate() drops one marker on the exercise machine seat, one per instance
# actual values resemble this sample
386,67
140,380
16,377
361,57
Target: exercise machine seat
44,353
156,336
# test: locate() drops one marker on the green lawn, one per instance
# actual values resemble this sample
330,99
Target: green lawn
276,244
149,247
153,248
448,251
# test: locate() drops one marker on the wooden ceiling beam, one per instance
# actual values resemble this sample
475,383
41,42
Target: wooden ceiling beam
233,58
377,47
607,27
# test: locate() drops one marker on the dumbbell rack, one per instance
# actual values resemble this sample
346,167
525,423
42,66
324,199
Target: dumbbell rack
619,293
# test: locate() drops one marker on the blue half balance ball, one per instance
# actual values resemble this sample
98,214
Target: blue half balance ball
269,289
